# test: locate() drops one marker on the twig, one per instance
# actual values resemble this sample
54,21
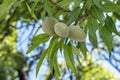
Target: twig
59,7
83,17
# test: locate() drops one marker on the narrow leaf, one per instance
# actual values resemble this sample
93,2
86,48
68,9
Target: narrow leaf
117,15
53,51
36,31
56,67
47,7
83,48
65,3
40,61
92,26
35,4
73,15
53,43
110,25
39,37
97,13
106,36
75,50
68,55
31,12
37,40
89,3
5,7
108,6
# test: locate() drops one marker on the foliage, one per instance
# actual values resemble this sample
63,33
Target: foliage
86,70
92,70
10,60
90,15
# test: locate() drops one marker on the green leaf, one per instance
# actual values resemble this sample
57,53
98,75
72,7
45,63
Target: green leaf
82,47
47,7
92,26
117,15
53,50
68,55
41,60
52,44
43,13
73,15
97,14
5,7
89,3
36,31
57,46
75,50
31,12
93,39
37,40
34,6
65,3
56,67
39,37
108,6
97,3
106,36
110,25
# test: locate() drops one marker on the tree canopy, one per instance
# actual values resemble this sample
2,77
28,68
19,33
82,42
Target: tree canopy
96,20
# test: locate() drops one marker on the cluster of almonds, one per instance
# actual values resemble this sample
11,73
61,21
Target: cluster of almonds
51,26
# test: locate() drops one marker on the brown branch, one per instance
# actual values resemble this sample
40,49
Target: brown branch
51,75
59,7
22,75
83,17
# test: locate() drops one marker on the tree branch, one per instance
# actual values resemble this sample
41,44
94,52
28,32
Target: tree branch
51,75
59,7
83,17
